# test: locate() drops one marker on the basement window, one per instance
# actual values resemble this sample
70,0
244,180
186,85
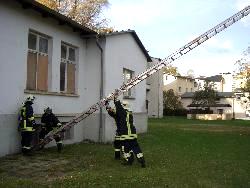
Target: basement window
68,69
37,62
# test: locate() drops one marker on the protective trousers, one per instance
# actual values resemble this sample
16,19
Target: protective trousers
130,148
26,141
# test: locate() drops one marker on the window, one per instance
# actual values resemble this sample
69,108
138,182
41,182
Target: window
69,133
128,75
220,111
195,84
37,62
179,89
67,69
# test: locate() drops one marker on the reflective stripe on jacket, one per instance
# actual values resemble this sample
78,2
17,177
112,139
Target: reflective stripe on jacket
124,122
27,117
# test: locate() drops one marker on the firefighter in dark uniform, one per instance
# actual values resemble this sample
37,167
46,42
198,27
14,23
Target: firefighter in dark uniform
127,132
117,139
27,124
50,122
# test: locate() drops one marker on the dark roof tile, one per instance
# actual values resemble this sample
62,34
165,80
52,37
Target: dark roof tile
220,94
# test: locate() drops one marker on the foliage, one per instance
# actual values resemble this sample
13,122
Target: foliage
85,12
171,70
206,97
178,153
172,106
171,101
243,69
176,112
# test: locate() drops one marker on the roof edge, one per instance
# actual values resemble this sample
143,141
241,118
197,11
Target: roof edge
62,19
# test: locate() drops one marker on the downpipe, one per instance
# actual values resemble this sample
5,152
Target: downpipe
100,136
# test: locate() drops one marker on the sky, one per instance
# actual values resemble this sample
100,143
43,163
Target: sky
164,26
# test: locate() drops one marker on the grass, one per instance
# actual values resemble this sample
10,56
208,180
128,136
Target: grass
178,153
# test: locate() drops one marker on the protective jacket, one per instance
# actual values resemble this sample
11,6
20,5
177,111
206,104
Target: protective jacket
124,122
50,121
26,119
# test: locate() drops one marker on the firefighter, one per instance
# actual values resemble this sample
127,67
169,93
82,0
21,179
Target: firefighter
127,133
27,124
50,122
117,139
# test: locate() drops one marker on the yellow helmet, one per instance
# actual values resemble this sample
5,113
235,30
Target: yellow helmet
125,105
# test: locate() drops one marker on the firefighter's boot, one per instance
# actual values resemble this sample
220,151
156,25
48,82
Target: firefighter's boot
117,155
142,161
59,147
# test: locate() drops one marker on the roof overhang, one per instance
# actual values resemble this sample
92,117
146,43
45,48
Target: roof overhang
213,105
62,20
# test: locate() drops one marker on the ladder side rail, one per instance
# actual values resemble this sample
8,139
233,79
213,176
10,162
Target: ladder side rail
75,120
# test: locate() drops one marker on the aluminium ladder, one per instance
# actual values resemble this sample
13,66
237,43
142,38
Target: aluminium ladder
165,62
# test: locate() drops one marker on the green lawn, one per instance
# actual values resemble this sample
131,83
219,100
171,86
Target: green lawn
178,153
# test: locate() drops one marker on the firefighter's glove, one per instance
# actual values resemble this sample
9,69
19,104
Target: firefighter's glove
116,94
107,103
59,125
34,125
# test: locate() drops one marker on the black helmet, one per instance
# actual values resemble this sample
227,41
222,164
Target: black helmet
48,110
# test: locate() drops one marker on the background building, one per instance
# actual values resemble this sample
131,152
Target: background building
154,92
179,84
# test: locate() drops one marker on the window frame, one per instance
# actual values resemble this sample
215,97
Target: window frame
130,94
68,61
38,57
38,36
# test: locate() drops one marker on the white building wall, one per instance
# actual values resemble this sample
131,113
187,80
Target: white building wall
239,108
122,51
91,89
15,23
155,92
228,83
